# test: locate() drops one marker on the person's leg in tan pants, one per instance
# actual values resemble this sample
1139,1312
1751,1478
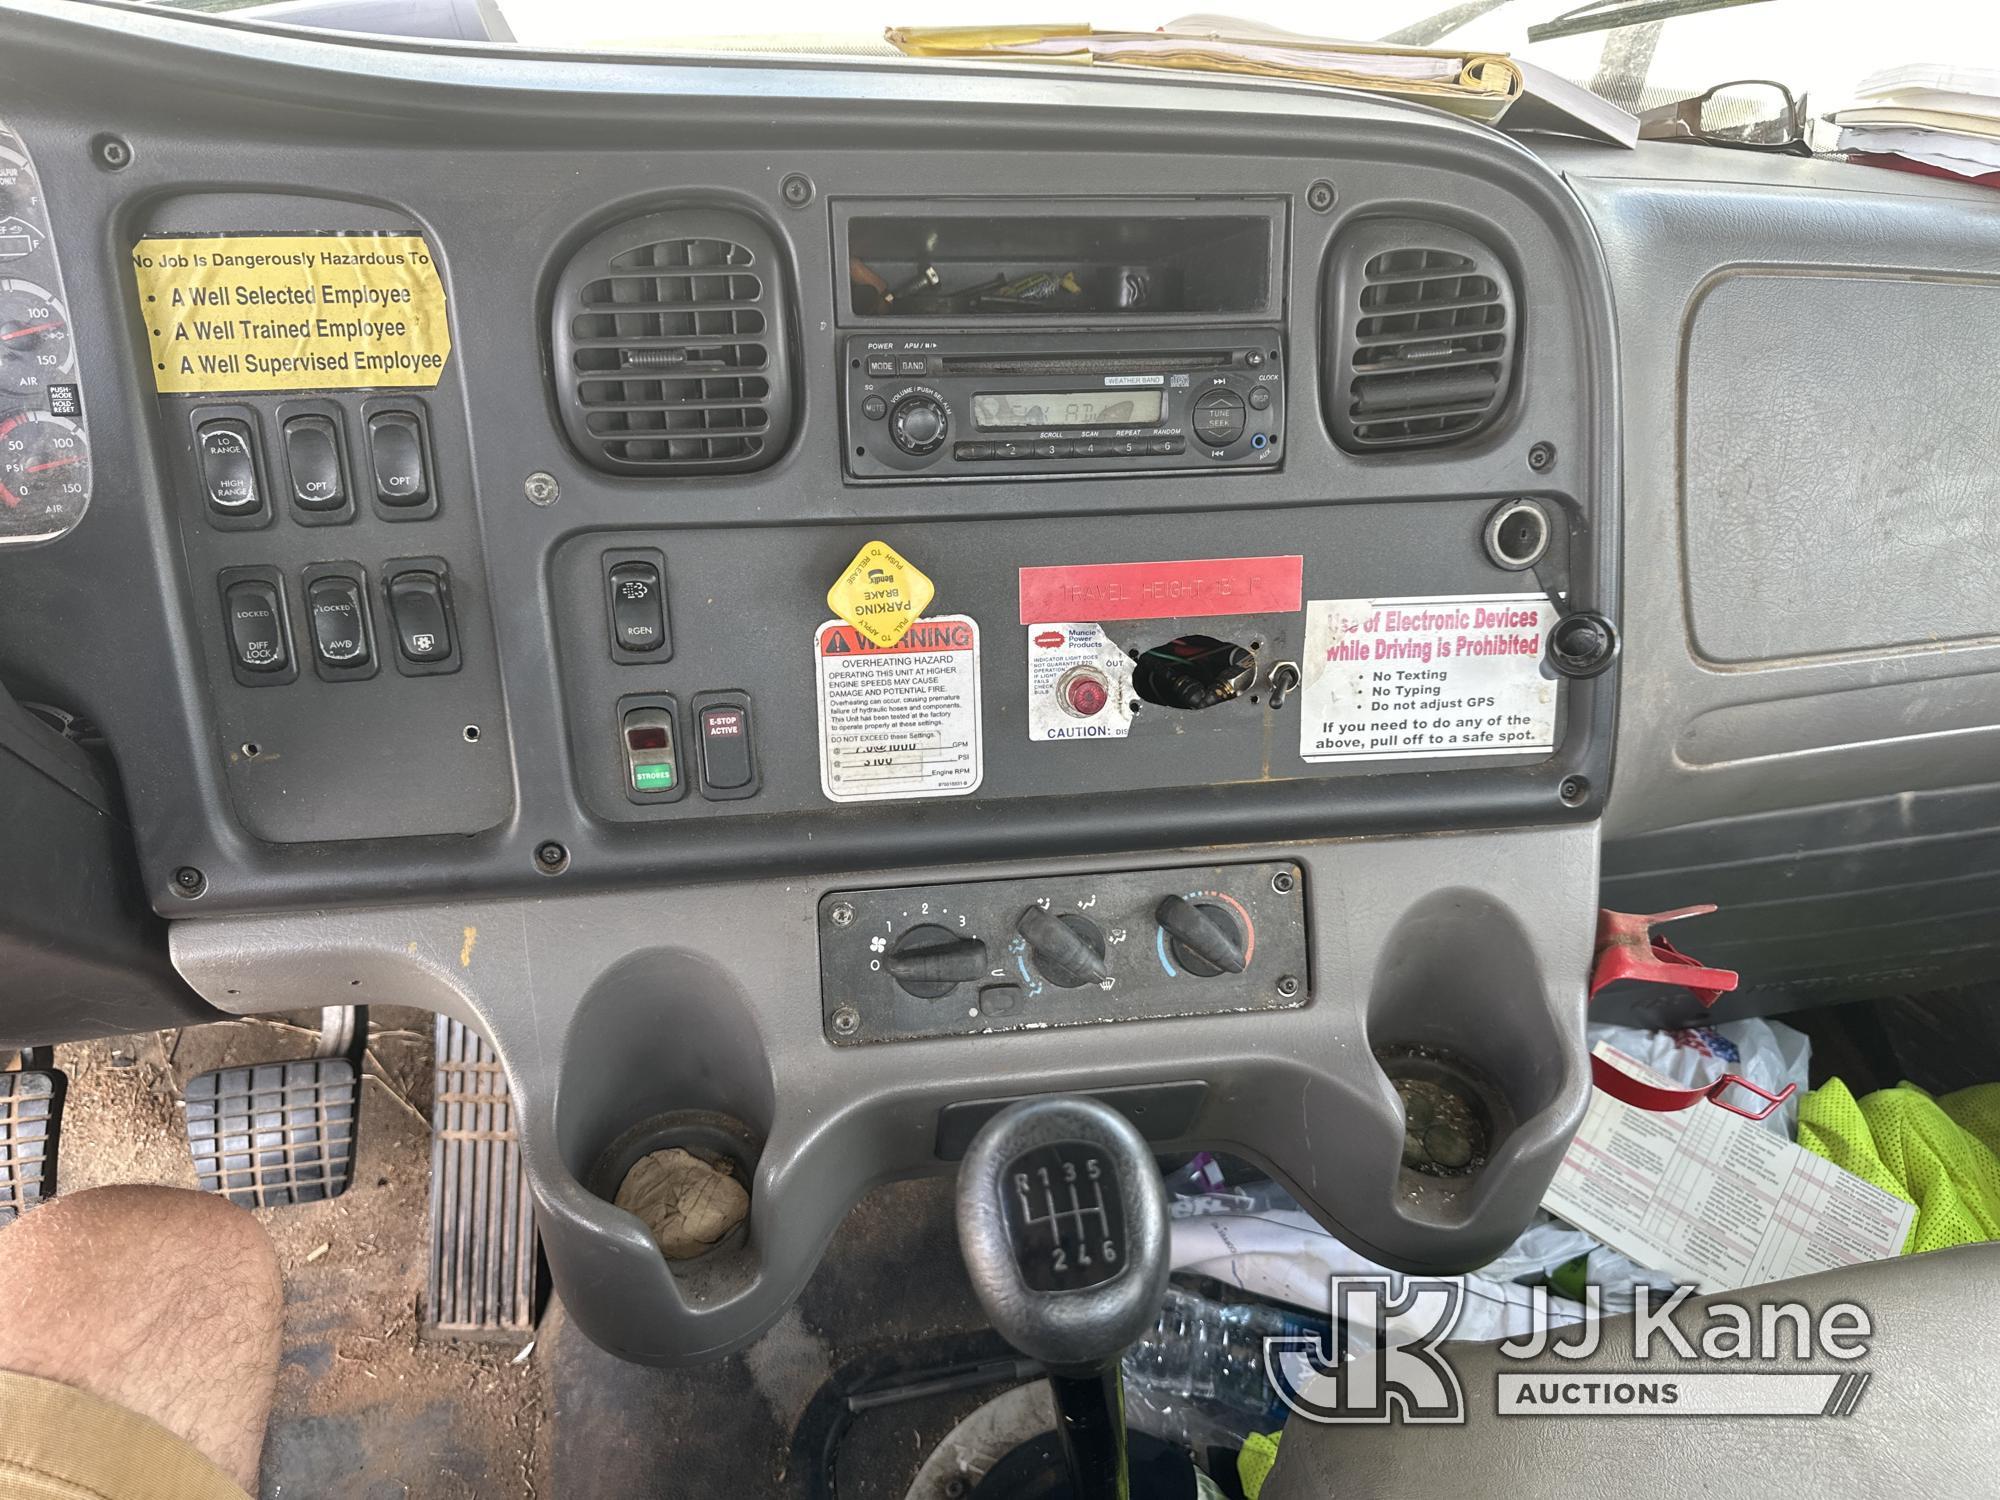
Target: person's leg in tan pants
163,1302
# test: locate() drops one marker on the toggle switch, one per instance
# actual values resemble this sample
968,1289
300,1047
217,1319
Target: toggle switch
420,606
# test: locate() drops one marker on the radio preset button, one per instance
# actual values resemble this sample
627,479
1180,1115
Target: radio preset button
1218,418
973,452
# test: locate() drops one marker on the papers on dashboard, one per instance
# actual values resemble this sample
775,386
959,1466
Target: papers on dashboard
1943,116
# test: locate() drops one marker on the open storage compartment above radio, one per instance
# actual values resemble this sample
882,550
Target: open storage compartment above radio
1087,260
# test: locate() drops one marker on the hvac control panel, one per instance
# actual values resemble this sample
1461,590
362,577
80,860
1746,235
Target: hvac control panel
1016,955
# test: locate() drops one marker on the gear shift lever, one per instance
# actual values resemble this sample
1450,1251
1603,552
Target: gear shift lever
1063,1225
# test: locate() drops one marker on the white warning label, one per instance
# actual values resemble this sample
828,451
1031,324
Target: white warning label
903,720
1409,679
1079,684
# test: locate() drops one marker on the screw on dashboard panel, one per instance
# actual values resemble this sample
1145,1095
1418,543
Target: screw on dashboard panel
1288,986
797,190
189,882
841,915
111,152
1321,197
1284,882
541,488
846,1021
1574,791
1542,457
551,858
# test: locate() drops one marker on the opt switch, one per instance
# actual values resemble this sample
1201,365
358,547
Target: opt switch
312,453
396,450
423,617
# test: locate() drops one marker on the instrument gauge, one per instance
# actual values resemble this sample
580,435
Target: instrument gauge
35,346
44,476
21,225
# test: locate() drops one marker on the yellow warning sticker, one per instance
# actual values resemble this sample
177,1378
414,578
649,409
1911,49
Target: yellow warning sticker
880,593
291,312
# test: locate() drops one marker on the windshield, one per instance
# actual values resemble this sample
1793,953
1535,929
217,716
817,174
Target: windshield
1820,48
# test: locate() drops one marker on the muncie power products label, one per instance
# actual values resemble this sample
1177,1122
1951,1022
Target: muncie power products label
291,312
1410,679
1163,590
1079,684
903,720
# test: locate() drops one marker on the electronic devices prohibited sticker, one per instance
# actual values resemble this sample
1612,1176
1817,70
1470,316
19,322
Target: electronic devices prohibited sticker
1423,678
903,720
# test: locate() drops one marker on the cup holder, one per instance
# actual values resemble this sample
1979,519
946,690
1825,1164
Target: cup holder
1451,1116
1461,1026
662,1054
721,1141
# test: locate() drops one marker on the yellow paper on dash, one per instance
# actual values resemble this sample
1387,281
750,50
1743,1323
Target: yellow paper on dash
881,593
292,312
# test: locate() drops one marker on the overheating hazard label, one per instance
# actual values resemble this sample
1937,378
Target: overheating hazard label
291,312
903,720
1411,679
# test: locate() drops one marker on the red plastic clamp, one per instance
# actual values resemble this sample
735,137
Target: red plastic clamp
1628,948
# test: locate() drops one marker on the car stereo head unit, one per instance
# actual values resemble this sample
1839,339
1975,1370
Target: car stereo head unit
983,406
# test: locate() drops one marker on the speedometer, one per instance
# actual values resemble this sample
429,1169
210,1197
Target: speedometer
35,347
44,476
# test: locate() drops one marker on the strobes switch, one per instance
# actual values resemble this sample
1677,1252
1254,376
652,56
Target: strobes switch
651,768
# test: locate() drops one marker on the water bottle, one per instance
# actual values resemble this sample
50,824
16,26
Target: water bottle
1211,1354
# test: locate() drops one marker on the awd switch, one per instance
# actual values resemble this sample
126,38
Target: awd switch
339,622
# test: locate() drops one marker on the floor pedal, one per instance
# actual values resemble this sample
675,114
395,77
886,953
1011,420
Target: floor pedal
31,1103
275,1133
482,1236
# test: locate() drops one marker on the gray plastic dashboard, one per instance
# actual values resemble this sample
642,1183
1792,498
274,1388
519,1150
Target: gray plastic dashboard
1774,486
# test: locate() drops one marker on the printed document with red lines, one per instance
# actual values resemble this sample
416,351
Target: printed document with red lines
1716,1200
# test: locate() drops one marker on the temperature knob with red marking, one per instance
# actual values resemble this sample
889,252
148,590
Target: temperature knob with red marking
1206,939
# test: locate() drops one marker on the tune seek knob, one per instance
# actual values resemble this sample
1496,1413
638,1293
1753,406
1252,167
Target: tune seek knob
917,424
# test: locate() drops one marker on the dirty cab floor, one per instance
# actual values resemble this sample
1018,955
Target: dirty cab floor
367,1408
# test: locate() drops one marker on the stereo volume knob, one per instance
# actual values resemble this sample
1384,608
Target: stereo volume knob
917,424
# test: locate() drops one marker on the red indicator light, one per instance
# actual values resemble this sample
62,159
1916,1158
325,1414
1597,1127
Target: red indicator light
646,737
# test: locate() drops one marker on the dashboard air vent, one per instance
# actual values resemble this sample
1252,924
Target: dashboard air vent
672,345
1420,332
